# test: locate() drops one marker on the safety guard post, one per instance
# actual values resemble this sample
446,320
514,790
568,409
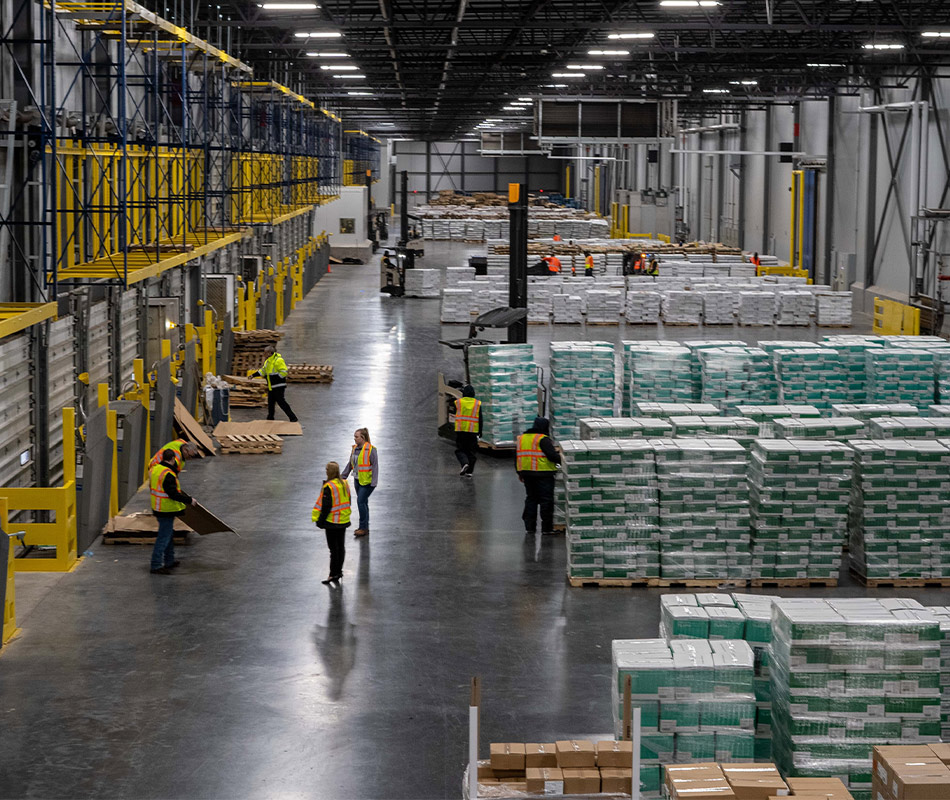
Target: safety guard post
8,624
473,705
112,431
518,259
143,395
631,733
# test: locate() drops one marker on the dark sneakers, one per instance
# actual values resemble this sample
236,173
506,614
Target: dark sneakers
162,571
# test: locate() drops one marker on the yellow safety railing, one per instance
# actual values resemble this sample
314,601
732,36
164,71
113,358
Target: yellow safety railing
8,629
796,228
61,501
597,190
895,319
783,270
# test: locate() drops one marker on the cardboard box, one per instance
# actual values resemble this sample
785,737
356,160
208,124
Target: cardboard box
755,781
615,754
830,788
577,754
540,755
942,751
908,773
703,781
615,779
581,780
507,756
545,780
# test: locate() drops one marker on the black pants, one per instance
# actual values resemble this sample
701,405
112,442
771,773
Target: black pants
275,396
336,541
539,494
466,449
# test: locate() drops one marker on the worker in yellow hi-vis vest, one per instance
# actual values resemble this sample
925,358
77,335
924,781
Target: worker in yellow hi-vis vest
332,513
536,461
274,371
364,464
468,425
168,501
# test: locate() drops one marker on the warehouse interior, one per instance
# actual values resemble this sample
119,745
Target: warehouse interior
708,241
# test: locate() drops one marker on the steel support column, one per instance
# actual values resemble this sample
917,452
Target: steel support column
518,258
829,190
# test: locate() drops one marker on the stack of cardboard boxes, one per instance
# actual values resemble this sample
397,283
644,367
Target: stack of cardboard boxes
711,781
917,772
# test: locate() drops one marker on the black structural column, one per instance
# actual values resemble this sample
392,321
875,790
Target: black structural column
518,259
404,207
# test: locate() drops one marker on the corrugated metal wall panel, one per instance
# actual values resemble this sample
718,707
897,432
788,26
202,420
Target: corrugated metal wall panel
128,334
16,421
97,351
62,389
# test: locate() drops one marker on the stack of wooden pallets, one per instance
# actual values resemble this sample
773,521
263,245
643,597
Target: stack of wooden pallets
251,443
246,392
309,373
249,349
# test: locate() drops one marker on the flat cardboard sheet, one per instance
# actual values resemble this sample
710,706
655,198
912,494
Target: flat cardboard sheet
275,427
192,429
203,522
138,523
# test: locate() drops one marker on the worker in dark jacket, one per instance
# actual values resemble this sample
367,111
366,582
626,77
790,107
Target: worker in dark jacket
274,371
468,424
332,513
168,502
536,461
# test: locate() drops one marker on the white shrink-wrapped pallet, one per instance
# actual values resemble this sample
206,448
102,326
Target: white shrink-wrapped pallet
567,309
833,309
795,308
756,308
457,305
719,308
604,307
682,308
642,308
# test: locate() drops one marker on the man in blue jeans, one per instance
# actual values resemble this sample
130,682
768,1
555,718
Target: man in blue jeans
364,464
168,502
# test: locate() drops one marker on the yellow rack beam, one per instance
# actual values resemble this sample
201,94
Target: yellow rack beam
16,317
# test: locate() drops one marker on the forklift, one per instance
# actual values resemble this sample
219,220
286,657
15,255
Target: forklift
393,266
513,317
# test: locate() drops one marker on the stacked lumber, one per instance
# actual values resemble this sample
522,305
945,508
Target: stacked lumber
247,392
249,349
188,428
251,443
309,373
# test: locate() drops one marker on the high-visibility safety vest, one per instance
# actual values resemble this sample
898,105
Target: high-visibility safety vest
173,446
274,371
160,500
466,414
362,464
530,456
340,499
589,262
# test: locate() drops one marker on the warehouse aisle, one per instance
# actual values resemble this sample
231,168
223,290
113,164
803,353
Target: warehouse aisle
243,677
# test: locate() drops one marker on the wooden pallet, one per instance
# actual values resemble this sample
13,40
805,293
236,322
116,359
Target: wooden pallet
246,392
699,583
309,373
842,327
804,583
621,582
180,539
902,583
680,324
602,324
251,443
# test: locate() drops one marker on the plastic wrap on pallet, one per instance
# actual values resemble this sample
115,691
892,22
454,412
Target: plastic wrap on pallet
810,376
568,308
423,282
642,307
457,305
849,674
582,383
853,353
900,524
667,410
604,306
799,494
612,515
657,373
901,375
505,380
795,308
704,509
766,415
697,345
938,410
833,308
942,613
696,698
908,428
682,308
623,428
740,429
719,307
734,376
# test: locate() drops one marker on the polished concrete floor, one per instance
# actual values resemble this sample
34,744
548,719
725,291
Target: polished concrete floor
242,676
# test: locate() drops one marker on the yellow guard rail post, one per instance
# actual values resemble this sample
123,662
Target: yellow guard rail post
61,500
8,627
895,319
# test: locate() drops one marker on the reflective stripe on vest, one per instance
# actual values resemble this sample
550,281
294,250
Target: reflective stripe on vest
340,499
362,464
466,414
530,457
589,262
160,500
176,448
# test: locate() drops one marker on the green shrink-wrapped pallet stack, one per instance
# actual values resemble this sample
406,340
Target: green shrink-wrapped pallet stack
766,415
810,375
842,429
847,675
624,428
582,384
734,376
799,492
611,509
901,375
740,429
656,372
504,377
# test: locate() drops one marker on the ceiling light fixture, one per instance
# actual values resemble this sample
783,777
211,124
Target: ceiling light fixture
936,34
824,66
688,3
715,91
585,66
325,54
608,52
349,75
555,86
874,46
744,83
339,67
632,35
289,6
319,35
568,74
525,100
360,94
